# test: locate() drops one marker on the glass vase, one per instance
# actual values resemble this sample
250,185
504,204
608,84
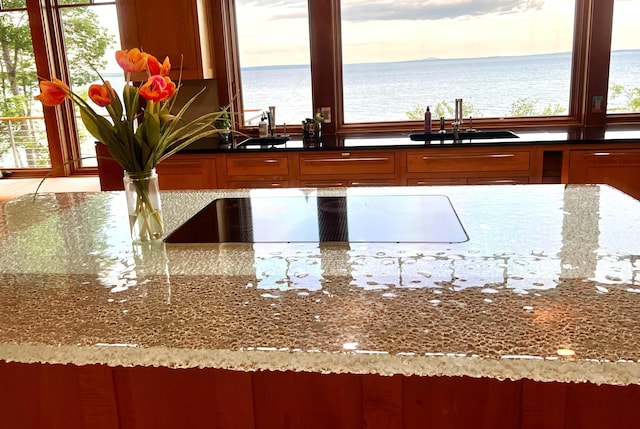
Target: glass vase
143,204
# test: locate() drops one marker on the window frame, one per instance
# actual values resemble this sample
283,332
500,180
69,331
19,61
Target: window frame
45,22
593,21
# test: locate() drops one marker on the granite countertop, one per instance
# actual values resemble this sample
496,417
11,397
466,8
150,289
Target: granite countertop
402,140
546,288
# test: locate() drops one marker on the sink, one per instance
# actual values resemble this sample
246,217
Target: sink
264,141
464,135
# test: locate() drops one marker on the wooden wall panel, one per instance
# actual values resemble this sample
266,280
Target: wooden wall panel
461,402
307,400
183,398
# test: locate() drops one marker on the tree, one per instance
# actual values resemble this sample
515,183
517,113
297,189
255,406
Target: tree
527,107
632,96
85,45
443,108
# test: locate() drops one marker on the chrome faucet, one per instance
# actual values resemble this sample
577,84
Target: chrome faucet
457,122
271,118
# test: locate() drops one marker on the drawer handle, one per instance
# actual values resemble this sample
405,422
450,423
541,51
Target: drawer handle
350,159
369,184
496,155
607,154
323,185
256,161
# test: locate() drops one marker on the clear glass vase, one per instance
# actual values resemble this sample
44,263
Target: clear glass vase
143,203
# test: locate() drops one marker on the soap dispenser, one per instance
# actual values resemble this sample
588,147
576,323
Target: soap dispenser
263,129
427,121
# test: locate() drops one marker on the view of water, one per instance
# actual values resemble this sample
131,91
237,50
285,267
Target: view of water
386,91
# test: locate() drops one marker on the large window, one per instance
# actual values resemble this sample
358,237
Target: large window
23,140
90,31
502,58
624,68
274,59
377,64
78,44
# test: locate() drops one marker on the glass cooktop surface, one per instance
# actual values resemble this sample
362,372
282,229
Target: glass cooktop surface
290,219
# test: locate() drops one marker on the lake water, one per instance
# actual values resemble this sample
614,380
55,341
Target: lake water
386,91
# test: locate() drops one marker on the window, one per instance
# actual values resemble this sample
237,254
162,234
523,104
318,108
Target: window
398,57
32,137
90,31
274,56
23,142
624,67
377,64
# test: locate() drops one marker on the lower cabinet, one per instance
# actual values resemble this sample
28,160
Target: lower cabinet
472,166
256,170
324,183
619,168
98,396
347,168
617,165
182,171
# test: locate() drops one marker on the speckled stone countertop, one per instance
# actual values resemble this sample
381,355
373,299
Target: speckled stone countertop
546,288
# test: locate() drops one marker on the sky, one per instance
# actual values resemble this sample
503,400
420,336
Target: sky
274,32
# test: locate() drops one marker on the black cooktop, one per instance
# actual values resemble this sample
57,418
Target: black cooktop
357,218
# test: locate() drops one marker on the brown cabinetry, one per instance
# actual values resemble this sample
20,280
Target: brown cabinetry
475,166
257,170
183,171
347,168
177,29
619,168
180,171
617,165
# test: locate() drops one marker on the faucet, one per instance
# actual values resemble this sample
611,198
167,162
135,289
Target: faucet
457,122
271,118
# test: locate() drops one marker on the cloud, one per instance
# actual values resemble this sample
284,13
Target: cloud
382,10
388,10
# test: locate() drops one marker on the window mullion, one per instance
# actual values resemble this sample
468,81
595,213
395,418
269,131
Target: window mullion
326,61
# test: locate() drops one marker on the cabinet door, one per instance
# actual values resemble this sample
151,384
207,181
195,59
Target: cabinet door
346,162
467,160
619,168
177,29
257,165
515,180
437,181
186,171
324,183
262,184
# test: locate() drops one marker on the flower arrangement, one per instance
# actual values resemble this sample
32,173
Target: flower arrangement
141,130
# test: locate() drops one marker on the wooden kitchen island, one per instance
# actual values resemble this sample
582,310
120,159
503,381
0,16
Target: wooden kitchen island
532,322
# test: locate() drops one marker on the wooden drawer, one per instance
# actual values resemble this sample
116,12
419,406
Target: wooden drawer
444,181
467,160
186,172
238,184
347,162
348,182
498,180
238,165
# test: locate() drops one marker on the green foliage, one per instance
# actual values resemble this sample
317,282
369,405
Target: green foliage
631,95
443,108
527,107
417,113
85,44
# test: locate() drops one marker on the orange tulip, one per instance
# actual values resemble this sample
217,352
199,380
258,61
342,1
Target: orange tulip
158,88
52,92
155,68
132,60
101,94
